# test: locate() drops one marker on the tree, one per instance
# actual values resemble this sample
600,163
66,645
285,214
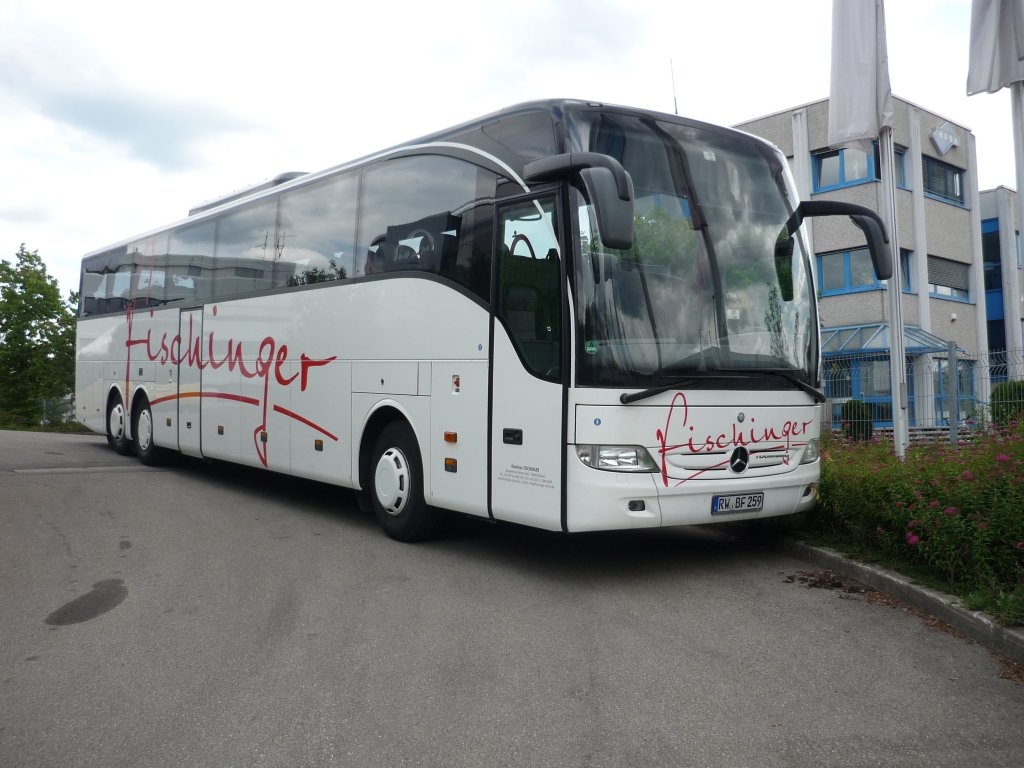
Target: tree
37,338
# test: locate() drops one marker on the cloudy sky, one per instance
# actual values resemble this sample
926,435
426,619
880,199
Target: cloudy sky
117,117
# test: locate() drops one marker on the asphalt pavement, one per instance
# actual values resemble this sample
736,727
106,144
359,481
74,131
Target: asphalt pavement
205,615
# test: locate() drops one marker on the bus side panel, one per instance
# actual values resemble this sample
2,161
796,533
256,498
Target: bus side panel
526,442
457,463
321,430
88,394
163,390
98,342
189,383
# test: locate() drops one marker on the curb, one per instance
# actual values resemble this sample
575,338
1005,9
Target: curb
976,625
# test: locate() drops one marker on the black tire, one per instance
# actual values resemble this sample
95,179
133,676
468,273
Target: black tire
117,427
396,485
148,452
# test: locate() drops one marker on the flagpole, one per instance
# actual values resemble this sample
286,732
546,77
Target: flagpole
897,346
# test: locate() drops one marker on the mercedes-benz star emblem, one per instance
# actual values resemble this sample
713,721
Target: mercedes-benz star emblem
739,460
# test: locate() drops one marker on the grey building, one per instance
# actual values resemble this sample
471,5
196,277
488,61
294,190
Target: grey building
1004,283
939,241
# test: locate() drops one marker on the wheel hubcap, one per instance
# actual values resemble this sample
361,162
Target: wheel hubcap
117,422
391,481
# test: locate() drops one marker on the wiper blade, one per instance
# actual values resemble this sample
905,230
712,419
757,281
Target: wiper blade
817,394
626,398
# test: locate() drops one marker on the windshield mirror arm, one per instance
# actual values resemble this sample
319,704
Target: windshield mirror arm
864,218
607,182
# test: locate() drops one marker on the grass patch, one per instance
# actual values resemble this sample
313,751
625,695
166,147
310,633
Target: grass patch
20,424
949,517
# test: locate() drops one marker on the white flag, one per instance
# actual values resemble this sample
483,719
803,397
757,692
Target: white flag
860,102
997,45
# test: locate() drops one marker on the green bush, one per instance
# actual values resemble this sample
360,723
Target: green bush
1008,402
950,514
855,416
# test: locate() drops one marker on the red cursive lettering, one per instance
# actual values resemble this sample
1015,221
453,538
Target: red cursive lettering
759,439
270,362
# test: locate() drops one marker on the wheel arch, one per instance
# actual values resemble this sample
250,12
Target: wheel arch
140,394
384,413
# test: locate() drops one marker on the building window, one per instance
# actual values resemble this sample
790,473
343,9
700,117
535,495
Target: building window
843,168
943,181
906,261
991,254
900,168
948,279
847,272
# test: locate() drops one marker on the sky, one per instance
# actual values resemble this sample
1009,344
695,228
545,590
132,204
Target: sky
118,117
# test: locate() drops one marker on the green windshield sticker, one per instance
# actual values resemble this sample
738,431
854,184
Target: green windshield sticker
591,347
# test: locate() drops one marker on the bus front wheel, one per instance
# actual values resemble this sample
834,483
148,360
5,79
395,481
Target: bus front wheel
117,427
397,485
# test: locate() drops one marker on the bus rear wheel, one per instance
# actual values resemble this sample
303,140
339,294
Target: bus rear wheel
142,435
396,491
117,427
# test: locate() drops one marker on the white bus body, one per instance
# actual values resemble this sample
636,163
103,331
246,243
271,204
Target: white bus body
477,358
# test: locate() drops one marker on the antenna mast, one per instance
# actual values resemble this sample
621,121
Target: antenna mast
675,101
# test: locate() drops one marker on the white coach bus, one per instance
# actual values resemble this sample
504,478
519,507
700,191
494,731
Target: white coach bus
566,315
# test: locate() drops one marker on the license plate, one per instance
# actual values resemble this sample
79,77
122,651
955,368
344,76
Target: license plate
740,502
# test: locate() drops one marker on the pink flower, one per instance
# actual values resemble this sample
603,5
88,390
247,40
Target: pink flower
968,476
950,511
1019,545
933,503
913,539
1003,457
911,524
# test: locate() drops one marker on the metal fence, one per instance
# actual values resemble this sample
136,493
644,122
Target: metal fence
948,394
57,410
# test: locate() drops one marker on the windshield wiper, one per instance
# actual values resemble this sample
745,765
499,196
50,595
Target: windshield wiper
817,394
631,397
725,373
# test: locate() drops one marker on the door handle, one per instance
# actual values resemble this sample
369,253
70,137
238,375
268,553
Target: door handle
512,436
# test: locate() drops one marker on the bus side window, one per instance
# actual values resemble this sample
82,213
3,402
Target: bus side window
316,232
436,214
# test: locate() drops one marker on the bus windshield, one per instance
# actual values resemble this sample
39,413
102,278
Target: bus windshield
715,285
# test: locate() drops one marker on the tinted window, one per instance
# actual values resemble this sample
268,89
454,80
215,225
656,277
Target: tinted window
190,251
417,213
317,230
106,282
247,249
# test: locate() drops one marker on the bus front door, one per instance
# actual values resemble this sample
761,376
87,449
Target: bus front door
527,396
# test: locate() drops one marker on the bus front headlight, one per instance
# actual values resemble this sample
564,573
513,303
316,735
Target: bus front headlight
617,458
812,452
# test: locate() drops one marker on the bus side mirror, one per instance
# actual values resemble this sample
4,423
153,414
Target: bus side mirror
878,245
864,218
607,182
614,215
